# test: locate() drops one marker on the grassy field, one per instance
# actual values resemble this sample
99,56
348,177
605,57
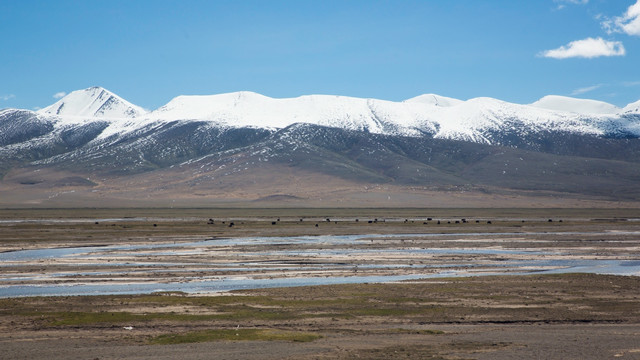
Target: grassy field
349,315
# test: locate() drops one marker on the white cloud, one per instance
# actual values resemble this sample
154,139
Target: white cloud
585,89
59,95
629,23
586,48
7,97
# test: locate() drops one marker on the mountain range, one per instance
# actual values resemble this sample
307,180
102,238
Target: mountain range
93,146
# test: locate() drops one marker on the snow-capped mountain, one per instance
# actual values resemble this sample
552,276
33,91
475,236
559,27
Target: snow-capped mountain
437,116
94,102
247,109
482,120
214,143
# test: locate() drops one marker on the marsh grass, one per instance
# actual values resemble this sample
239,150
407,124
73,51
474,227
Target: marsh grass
539,298
92,318
234,335
74,318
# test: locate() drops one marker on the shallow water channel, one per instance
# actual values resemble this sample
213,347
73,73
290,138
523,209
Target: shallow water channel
216,265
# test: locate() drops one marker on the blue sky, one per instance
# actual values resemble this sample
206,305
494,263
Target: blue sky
151,51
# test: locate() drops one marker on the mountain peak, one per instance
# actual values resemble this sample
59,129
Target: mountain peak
93,102
575,105
434,99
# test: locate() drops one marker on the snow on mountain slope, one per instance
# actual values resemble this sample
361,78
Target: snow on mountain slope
93,102
632,108
477,120
434,99
247,109
430,114
82,107
578,106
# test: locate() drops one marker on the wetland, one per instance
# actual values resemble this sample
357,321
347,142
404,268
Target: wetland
320,283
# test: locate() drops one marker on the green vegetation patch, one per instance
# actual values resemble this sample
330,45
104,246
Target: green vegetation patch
535,298
88,318
235,335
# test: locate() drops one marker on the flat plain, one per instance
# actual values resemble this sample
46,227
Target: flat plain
537,315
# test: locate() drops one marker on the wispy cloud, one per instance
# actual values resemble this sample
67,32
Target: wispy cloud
628,23
586,48
631,83
579,2
7,97
563,3
59,95
585,89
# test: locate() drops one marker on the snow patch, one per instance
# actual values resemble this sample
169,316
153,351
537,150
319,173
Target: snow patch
433,99
574,105
632,108
476,120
